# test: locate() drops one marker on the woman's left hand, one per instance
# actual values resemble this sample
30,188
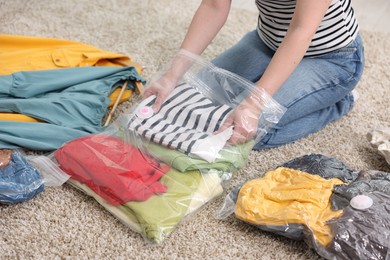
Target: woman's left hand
244,119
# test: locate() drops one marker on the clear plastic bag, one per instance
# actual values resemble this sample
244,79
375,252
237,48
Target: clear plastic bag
20,180
204,98
152,180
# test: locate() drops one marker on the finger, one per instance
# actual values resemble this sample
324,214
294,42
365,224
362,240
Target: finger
148,92
159,101
238,136
228,123
248,132
241,135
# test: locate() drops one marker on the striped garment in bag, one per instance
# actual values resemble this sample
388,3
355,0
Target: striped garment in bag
186,122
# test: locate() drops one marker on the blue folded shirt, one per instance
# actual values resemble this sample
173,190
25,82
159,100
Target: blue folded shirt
19,180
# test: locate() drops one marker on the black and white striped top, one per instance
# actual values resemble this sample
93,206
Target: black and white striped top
185,120
337,29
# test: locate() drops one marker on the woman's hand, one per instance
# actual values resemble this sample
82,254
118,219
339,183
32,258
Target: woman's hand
161,88
244,119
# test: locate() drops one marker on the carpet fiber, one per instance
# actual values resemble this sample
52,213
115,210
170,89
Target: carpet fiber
64,223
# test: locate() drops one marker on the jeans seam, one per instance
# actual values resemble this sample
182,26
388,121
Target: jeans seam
327,86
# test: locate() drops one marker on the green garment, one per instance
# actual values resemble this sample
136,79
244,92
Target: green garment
231,158
159,214
157,217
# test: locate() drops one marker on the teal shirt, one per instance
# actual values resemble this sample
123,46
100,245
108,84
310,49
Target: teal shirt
72,101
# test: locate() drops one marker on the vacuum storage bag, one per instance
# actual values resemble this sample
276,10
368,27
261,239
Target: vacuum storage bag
339,212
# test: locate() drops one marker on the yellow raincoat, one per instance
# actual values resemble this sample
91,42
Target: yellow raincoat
287,196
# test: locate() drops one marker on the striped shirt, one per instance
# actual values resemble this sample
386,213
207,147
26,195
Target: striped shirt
337,29
187,120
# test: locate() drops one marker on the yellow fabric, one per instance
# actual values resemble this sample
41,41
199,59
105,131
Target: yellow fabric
24,118
114,95
17,117
286,196
24,53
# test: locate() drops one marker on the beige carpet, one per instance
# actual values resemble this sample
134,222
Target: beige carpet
63,223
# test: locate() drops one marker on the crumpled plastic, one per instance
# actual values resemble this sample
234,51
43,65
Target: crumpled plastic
19,180
324,166
115,170
286,196
367,181
363,234
357,226
380,139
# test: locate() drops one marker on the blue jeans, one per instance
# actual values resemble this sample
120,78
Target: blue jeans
316,93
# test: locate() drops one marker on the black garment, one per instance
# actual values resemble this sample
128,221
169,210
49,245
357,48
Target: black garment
366,182
326,167
358,234
363,234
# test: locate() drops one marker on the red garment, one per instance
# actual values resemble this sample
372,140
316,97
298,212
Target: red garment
115,170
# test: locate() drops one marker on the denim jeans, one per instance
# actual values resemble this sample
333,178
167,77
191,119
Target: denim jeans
316,93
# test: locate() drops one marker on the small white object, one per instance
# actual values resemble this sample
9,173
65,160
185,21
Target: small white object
144,112
208,148
356,95
361,202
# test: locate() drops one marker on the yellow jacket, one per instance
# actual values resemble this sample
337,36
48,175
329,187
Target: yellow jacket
286,196
24,53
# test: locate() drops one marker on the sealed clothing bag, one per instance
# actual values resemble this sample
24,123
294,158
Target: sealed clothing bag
151,169
339,212
20,180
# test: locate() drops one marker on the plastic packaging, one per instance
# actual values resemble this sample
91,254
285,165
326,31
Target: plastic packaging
341,213
364,232
20,180
153,169
379,138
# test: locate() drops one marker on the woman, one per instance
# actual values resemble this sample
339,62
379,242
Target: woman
307,54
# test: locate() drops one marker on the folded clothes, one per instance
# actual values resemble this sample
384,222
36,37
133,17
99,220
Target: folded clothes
158,216
286,196
19,180
71,101
231,159
115,170
186,121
